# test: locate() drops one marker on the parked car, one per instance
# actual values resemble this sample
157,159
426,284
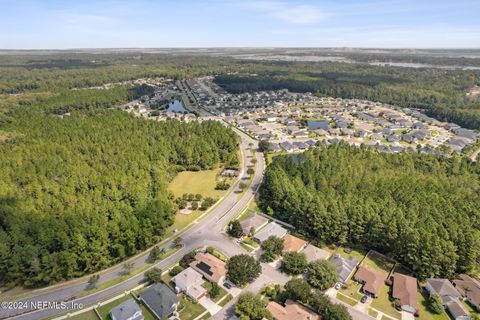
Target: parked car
338,286
364,299
227,285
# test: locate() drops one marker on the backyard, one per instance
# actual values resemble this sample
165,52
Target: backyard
189,310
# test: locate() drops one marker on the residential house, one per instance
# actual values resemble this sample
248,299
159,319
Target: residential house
405,291
371,279
469,288
344,266
291,310
253,222
190,282
160,300
450,297
313,253
128,310
272,229
293,244
212,268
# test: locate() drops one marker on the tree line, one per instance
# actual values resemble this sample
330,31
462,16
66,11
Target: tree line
420,209
86,190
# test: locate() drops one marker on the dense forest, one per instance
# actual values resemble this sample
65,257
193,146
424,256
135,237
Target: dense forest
82,190
422,210
441,93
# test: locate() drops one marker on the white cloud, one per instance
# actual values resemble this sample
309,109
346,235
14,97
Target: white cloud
290,13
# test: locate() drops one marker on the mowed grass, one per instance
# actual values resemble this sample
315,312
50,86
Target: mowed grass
352,289
383,303
378,263
346,299
201,182
190,310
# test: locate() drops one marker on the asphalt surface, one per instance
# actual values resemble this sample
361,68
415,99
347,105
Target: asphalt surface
207,231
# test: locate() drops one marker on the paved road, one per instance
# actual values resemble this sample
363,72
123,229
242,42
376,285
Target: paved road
475,154
206,232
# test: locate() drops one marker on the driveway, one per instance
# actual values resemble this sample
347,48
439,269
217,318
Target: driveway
407,316
211,306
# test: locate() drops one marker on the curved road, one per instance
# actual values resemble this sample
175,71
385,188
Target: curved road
207,231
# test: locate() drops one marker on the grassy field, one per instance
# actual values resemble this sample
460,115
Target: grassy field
207,285
378,263
202,182
190,310
384,304
352,289
355,252
105,309
346,299
182,220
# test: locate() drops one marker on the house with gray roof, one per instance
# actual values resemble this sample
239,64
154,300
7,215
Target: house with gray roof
450,297
272,229
344,266
254,221
313,253
128,310
160,300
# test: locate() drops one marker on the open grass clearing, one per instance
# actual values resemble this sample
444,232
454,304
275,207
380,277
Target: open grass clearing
372,313
358,253
201,182
378,262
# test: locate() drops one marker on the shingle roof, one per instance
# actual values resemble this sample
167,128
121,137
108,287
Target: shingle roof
209,266
255,220
372,279
160,299
443,287
405,290
272,229
126,310
313,253
292,310
191,280
344,266
292,243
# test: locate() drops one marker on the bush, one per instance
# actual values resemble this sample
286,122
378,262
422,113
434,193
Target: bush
235,229
251,307
214,291
294,263
243,269
272,248
322,274
175,270
222,185
154,275
435,303
194,205
298,289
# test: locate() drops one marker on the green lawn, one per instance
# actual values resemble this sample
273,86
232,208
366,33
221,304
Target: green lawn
425,313
384,304
244,246
206,316
385,318
208,285
182,220
378,262
372,313
346,299
105,309
202,182
190,310
147,315
352,289
226,300
355,252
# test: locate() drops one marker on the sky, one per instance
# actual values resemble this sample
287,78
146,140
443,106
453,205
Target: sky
66,24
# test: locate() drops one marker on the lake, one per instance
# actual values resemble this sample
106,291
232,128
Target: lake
317,124
176,106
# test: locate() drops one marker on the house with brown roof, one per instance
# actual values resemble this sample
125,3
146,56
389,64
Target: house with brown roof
469,288
254,221
291,310
405,291
371,279
293,244
210,267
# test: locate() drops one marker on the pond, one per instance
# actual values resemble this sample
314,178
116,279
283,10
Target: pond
176,106
317,124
